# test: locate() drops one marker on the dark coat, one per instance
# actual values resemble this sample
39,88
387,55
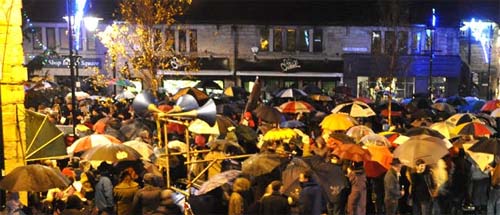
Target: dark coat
276,203
147,200
311,200
391,185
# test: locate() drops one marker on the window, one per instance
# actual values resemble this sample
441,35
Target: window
403,42
36,36
193,41
51,37
390,42
428,39
170,39
318,40
376,42
291,38
182,41
277,40
91,40
63,38
264,39
415,42
304,40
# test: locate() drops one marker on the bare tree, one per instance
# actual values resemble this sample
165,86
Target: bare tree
137,46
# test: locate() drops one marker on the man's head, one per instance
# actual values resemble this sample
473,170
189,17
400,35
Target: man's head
396,164
276,185
420,165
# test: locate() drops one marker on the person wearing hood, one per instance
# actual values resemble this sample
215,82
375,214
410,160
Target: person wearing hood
124,193
237,200
356,202
311,199
167,204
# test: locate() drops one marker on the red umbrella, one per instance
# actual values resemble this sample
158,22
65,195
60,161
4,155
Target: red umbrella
296,107
490,106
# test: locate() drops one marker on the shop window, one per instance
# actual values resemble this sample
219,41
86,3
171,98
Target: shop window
403,42
51,37
415,42
379,88
36,37
318,40
390,42
277,40
63,38
291,38
264,40
182,41
91,38
376,42
303,40
193,41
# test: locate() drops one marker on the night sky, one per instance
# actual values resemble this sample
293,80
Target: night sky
299,12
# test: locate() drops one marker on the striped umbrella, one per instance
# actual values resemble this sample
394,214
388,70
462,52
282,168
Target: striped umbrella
91,141
354,109
444,128
460,118
474,128
296,107
491,105
291,93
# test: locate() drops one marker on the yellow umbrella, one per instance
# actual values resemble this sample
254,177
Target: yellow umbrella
338,121
201,127
277,134
481,159
444,128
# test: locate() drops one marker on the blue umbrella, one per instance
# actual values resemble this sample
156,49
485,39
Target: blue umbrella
292,124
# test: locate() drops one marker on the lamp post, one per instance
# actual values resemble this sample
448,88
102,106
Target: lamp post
431,53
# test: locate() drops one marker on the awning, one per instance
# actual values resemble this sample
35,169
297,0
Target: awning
197,73
295,74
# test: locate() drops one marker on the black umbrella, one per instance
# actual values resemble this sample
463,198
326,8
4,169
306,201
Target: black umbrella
208,84
312,89
456,100
268,114
262,163
486,145
424,130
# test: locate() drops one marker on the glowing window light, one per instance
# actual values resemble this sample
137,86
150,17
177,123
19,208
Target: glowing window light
481,33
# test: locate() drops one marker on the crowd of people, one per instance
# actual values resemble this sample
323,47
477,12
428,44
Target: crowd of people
454,185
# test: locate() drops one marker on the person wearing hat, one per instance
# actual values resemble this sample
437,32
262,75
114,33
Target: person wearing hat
392,188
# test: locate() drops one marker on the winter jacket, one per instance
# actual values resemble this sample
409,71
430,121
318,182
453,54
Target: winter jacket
104,193
391,185
276,203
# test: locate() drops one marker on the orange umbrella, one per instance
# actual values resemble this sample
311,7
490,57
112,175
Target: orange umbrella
380,162
352,152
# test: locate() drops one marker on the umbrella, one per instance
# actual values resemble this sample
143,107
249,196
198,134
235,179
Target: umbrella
125,95
481,159
80,95
143,148
421,122
277,134
201,127
226,146
380,162
495,113
394,138
338,121
476,129
233,91
424,130
375,140
444,128
290,93
352,152
207,84
444,107
359,131
268,114
199,95
329,176
335,139
112,153
491,105
296,107
262,163
354,109
486,145
425,147
456,100
320,98
217,181
364,100
176,144
312,89
246,134
91,141
292,124
487,119
43,139
34,178
460,118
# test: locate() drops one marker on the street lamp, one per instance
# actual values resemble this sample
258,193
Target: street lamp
431,53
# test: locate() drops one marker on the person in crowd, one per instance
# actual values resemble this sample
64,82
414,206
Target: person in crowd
13,204
167,204
247,120
493,206
237,201
276,202
147,199
103,195
74,206
311,199
480,181
423,188
124,193
356,202
392,188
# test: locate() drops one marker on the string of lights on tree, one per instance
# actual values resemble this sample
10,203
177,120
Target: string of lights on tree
32,30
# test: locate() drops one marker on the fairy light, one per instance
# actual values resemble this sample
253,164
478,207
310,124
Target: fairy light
481,33
32,30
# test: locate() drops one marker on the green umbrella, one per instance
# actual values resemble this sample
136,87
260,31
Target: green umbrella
43,139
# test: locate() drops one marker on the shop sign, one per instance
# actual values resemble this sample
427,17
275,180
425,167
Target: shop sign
289,64
81,63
